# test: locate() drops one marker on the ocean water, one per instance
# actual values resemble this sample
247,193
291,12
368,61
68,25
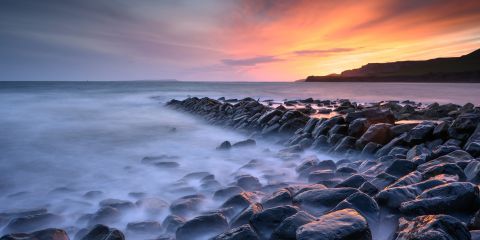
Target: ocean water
59,140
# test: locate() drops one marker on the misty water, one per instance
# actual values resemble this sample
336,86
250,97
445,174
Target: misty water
60,140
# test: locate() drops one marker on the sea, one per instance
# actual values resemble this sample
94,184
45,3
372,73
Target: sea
60,140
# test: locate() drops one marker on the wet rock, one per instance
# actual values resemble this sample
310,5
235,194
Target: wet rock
452,157
152,206
268,220
363,204
172,222
323,127
240,201
418,154
227,192
368,189
327,165
224,146
187,204
450,197
400,129
93,194
248,182
338,129
474,223
420,133
378,133
472,171
373,116
431,227
278,198
288,227
392,197
342,224
166,164
245,143
382,180
117,203
354,181
202,227
102,232
144,228
345,144
45,234
384,150
244,232
244,216
358,127
33,222
105,215
400,168
345,172
320,175
444,168
441,130
370,149
319,200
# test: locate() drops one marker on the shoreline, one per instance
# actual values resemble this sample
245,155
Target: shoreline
395,165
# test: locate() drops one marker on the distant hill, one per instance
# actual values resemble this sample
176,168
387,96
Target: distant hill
455,69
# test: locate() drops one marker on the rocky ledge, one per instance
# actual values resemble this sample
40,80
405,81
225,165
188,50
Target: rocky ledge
417,180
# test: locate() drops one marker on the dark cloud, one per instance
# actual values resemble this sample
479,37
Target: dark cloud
250,61
323,51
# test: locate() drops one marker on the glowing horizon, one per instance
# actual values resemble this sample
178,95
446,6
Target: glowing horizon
225,40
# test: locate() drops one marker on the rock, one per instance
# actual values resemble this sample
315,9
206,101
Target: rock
472,171
345,172
268,220
202,227
245,143
390,145
400,168
172,222
378,133
397,151
244,232
278,198
358,127
105,215
393,196
370,149
327,165
187,204
33,222
452,157
441,130
432,227
93,194
152,206
322,127
474,223
450,197
320,175
373,116
244,216
368,189
288,227
320,200
382,180
418,154
345,144
400,129
117,204
102,232
144,228
240,201
248,182
45,234
354,181
224,146
338,225
227,192
444,168
420,133
362,203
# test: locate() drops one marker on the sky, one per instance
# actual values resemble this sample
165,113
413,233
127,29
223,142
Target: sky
224,40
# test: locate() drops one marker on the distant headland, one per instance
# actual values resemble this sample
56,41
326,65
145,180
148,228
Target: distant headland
465,68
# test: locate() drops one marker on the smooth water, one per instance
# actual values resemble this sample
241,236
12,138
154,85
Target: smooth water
59,140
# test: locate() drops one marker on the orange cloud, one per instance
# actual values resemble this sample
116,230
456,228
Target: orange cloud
322,37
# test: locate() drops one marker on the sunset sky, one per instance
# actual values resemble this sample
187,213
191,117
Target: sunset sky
225,40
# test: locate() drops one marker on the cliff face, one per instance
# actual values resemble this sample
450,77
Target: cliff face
465,68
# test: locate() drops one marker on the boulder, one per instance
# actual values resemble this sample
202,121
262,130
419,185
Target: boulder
354,181
102,232
378,133
446,198
418,154
420,133
373,116
474,223
244,216
202,227
227,192
243,232
317,201
144,228
105,215
172,222
187,204
288,227
358,127
245,143
322,127
278,198
472,171
224,146
363,204
248,182
432,227
400,168
45,234
384,150
338,225
268,220
33,222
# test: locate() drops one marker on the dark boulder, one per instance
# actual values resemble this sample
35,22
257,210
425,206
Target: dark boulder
400,168
338,225
227,192
244,232
268,220
33,222
172,222
378,133
104,215
240,201
187,204
318,201
446,198
472,171
444,168
373,116
323,127
432,227
354,181
144,228
202,227
420,133
363,204
45,234
278,198
248,182
320,175
224,146
244,216
358,127
288,227
245,143
102,232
